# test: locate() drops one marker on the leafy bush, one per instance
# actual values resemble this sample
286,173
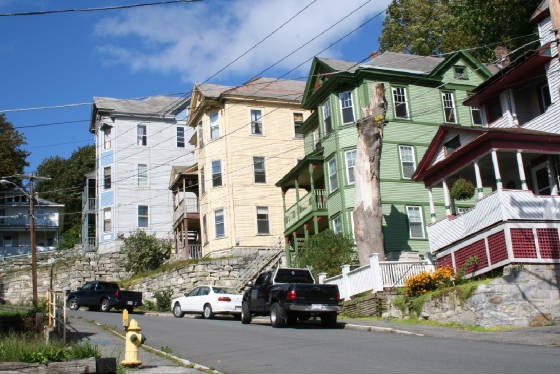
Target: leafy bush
163,300
430,281
145,252
327,252
462,189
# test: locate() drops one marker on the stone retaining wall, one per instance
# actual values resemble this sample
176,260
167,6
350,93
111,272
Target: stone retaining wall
527,295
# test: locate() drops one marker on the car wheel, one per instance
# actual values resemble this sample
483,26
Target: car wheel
245,313
177,312
277,316
73,304
207,312
328,320
105,307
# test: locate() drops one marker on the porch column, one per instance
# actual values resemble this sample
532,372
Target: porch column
315,225
306,231
521,169
310,171
297,198
446,198
551,182
296,249
499,185
288,251
479,188
284,205
432,207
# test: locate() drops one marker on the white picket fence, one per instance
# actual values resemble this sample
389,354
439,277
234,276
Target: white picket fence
376,276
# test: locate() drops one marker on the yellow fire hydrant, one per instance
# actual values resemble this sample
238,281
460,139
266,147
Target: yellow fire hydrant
133,340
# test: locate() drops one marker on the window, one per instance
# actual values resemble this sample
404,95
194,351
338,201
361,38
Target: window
448,106
298,122
333,180
107,178
107,137
316,139
544,97
262,220
142,135
216,173
400,103
142,175
327,117
200,135
202,181
107,226
476,115
350,157
256,122
180,137
214,125
204,230
337,224
493,109
258,169
452,145
346,106
460,72
142,216
415,222
219,222
408,162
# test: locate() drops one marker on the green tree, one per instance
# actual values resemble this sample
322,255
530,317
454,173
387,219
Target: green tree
327,252
66,183
13,158
429,27
145,252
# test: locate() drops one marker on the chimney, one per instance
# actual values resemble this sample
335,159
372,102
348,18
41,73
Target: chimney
502,56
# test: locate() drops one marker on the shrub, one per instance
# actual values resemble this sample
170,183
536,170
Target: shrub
145,252
462,189
163,300
429,281
327,252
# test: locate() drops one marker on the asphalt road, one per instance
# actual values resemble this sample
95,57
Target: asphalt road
230,347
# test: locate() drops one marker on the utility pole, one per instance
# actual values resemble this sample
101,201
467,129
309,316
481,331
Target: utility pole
31,198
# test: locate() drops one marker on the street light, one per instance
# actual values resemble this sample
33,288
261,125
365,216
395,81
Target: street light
31,233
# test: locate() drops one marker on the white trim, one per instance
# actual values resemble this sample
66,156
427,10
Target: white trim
331,189
340,102
421,215
393,89
413,153
260,121
347,171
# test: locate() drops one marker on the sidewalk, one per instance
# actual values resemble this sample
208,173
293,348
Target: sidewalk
111,345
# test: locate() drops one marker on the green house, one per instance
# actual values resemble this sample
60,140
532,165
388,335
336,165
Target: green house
422,92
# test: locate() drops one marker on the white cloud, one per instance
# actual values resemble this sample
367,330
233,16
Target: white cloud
198,39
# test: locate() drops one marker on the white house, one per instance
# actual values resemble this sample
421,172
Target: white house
136,142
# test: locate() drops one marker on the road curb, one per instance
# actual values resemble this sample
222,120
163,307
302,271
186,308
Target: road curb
390,330
173,358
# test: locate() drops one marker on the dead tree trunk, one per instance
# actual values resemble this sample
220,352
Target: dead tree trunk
368,216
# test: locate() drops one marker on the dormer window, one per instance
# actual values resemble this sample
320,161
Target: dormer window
460,72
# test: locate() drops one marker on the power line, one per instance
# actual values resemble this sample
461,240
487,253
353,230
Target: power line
115,7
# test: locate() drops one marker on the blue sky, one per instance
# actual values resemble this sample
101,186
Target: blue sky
68,58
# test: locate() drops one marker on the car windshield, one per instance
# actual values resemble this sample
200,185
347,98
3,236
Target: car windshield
293,276
221,290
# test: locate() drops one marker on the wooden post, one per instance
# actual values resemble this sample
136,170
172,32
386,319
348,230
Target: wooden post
367,212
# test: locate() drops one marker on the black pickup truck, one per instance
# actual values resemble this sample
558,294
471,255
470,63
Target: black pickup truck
99,295
289,295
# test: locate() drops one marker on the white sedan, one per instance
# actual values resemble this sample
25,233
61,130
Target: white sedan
208,301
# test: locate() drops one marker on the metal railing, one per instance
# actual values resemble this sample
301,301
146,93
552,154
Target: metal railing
22,251
56,306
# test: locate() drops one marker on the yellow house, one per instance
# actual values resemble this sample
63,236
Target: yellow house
246,139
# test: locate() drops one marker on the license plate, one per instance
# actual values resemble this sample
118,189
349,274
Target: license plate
316,307
129,303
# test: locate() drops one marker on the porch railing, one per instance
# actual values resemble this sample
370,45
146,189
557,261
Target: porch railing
186,205
22,251
375,277
314,200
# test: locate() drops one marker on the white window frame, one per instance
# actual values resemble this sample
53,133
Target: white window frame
107,138
350,178
107,220
263,211
256,122
316,138
346,102
142,135
221,173
413,219
397,94
448,103
219,213
257,159
332,174
336,224
214,119
142,175
480,114
298,124
107,177
327,115
200,135
180,137
143,217
403,161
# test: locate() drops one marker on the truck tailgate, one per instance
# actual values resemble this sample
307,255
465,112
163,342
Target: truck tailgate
316,293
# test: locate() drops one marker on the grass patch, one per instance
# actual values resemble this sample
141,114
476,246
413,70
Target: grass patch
417,321
29,347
